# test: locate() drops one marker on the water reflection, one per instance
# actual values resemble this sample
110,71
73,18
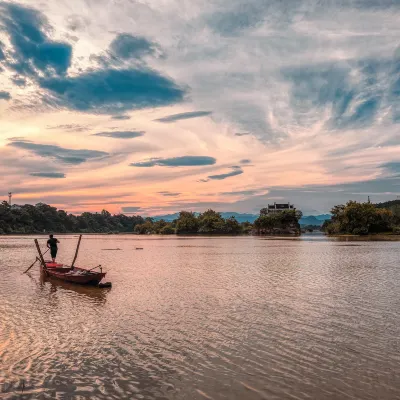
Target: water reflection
92,293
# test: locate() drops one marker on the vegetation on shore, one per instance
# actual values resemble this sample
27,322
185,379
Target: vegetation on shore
208,223
364,219
353,218
41,218
211,222
44,218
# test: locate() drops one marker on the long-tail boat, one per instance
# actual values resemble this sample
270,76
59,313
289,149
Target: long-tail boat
73,274
70,273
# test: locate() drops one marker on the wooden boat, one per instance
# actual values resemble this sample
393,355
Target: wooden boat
70,273
75,274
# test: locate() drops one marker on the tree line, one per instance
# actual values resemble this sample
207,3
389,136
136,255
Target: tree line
211,222
188,223
43,218
351,218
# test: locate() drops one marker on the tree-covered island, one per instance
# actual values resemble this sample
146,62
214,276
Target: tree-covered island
285,222
364,219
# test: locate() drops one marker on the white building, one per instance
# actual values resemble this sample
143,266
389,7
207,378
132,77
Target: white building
278,207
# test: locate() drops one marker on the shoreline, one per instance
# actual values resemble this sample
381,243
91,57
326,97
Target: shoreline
341,237
376,236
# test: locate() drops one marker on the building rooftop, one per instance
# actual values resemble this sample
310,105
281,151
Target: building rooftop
280,206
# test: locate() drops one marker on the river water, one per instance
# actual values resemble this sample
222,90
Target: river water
203,318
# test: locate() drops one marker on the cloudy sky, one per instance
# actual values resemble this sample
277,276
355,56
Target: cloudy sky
153,106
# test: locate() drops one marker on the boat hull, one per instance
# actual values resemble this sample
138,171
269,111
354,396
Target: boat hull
75,275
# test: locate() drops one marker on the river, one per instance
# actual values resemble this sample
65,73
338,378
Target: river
203,318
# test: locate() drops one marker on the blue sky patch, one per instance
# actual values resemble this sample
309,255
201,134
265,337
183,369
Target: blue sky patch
52,175
184,161
121,117
236,171
33,51
126,46
110,91
182,116
120,134
4,95
57,153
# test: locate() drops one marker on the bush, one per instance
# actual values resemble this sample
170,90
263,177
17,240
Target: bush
187,223
167,230
396,230
360,231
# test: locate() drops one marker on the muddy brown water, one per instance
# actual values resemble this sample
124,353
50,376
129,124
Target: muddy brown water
203,318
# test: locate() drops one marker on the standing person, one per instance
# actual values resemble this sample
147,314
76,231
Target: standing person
52,245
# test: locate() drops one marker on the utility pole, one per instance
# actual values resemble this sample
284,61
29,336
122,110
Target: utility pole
369,201
9,198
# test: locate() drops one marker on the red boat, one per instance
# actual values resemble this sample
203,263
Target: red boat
75,274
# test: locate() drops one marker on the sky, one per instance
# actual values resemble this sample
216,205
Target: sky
152,107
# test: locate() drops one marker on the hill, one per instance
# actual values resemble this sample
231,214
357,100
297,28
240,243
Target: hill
312,220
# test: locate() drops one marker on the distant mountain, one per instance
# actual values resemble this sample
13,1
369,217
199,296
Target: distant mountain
239,217
323,217
168,217
307,220
316,220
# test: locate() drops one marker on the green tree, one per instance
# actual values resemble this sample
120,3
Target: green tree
159,225
187,223
246,227
41,218
167,230
232,227
282,222
145,228
211,222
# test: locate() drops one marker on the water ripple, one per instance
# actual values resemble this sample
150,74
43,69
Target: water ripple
204,318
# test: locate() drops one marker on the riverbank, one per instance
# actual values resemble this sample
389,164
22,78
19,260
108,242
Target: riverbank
372,237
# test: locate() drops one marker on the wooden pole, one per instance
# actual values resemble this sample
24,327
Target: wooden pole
37,259
76,251
40,253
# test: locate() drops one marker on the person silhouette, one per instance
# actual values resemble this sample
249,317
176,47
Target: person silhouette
52,245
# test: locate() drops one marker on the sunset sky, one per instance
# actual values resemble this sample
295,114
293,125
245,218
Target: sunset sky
154,106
